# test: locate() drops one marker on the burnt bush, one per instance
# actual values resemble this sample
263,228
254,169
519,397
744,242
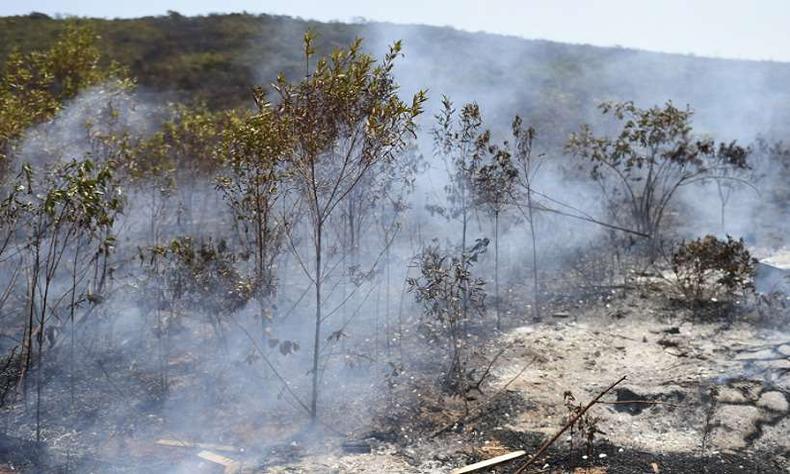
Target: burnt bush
712,270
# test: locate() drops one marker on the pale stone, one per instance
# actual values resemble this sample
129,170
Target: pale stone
775,401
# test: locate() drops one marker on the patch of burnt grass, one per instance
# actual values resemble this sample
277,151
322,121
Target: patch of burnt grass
500,411
629,461
515,440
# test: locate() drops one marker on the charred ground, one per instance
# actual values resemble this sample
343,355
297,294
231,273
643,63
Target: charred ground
328,279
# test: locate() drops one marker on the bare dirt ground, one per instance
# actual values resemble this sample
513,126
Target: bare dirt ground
712,395
726,388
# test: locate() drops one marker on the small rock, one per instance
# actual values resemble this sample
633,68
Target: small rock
730,395
775,401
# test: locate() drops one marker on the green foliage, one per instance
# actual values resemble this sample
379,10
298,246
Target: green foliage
653,154
495,180
449,293
79,194
253,150
199,277
460,139
216,57
710,268
35,85
346,100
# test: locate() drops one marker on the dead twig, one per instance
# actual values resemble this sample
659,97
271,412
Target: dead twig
570,423
487,371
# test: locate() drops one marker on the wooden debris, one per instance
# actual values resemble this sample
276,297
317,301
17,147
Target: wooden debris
231,466
489,462
186,444
655,467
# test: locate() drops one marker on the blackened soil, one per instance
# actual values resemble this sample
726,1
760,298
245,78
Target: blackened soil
630,461
639,462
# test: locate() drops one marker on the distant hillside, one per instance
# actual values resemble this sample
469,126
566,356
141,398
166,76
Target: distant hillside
555,86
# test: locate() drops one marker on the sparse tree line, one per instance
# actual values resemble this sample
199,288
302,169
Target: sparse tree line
315,180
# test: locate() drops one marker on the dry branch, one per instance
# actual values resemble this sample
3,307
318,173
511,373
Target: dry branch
570,423
186,444
231,466
489,462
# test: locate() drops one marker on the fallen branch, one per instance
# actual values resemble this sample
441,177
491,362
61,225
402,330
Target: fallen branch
186,444
570,423
231,466
487,371
489,462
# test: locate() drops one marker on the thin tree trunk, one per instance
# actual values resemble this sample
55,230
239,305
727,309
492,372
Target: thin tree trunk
465,302
723,201
496,269
317,338
72,310
536,285
31,319
387,320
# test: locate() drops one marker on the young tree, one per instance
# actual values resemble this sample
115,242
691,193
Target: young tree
254,149
729,168
447,291
457,140
527,164
397,184
494,185
653,155
12,209
345,119
72,204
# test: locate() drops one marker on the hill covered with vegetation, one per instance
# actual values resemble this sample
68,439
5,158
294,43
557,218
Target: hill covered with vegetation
555,86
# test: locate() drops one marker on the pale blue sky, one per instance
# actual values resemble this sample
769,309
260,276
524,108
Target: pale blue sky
747,29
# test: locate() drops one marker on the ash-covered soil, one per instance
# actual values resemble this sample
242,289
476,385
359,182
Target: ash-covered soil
704,393
729,380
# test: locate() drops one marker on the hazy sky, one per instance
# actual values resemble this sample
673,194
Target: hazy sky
754,29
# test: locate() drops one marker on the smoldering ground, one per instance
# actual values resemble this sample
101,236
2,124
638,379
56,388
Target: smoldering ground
147,366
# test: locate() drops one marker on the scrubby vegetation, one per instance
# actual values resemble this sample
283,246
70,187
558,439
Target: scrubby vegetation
289,250
708,268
